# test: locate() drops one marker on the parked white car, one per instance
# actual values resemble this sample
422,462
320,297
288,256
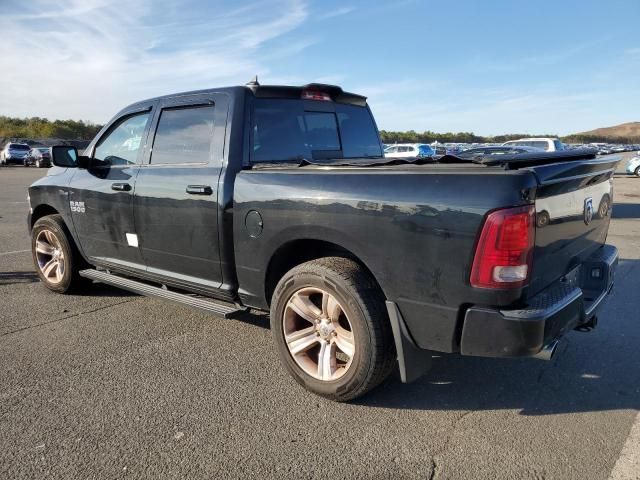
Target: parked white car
546,144
597,204
408,150
633,166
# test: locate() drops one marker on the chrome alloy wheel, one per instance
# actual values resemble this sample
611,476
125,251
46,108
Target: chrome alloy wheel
50,256
318,334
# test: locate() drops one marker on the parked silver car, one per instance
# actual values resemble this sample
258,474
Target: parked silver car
14,153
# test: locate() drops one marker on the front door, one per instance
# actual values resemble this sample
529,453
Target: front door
176,195
101,196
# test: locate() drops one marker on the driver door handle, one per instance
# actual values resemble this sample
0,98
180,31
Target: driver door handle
121,187
199,189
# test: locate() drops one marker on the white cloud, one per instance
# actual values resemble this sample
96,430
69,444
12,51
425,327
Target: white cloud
335,13
89,58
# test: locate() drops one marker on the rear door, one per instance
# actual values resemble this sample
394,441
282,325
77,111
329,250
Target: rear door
176,195
573,207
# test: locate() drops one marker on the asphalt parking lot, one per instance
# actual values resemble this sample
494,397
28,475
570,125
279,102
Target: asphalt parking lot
110,385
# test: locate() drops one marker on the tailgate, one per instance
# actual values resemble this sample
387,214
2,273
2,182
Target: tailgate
573,207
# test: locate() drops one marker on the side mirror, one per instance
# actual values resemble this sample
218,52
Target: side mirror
64,156
68,157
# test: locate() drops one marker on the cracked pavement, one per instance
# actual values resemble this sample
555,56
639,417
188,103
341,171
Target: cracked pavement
113,385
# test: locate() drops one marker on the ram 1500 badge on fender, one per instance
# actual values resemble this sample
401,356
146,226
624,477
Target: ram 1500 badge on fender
280,199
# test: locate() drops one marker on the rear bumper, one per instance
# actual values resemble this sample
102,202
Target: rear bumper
565,305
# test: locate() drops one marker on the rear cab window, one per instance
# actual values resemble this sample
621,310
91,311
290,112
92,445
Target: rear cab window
294,129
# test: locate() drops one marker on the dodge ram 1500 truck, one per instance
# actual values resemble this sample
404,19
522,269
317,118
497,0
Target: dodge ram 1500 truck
280,199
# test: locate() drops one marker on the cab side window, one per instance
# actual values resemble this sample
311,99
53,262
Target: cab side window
120,146
184,135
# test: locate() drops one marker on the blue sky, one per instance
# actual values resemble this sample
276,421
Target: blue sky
490,67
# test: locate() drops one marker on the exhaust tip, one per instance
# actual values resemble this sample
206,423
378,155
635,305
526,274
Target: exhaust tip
548,351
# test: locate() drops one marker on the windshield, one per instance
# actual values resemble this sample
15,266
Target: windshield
284,130
17,146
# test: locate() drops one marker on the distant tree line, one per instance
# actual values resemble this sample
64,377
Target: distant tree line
37,127
412,136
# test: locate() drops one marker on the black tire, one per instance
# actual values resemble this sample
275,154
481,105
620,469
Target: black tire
637,172
603,208
73,262
363,303
543,219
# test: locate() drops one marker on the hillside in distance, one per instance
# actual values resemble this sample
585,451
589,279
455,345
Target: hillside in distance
625,130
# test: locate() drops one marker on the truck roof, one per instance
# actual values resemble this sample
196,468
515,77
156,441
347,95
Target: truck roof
271,91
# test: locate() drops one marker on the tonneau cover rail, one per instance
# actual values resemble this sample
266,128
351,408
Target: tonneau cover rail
522,160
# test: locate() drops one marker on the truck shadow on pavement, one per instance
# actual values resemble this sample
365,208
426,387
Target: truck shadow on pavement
10,278
103,290
564,385
595,371
95,290
626,210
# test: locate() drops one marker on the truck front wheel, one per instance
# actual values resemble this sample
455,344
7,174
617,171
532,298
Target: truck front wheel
55,255
331,328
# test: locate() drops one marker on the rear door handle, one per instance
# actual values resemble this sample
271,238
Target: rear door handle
121,187
199,190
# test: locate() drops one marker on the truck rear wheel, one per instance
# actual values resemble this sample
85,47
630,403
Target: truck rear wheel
55,255
331,328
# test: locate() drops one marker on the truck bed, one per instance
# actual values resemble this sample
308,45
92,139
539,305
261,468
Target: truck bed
414,226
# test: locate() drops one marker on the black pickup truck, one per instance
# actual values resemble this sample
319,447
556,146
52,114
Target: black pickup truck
279,199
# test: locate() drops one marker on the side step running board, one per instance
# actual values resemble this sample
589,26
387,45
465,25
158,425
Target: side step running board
141,288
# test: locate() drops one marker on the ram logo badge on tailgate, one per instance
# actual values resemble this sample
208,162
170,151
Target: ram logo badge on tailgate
588,210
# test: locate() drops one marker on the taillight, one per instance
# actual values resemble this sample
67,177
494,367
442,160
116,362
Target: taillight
505,249
315,95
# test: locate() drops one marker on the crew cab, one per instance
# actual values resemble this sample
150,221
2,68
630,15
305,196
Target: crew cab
279,199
